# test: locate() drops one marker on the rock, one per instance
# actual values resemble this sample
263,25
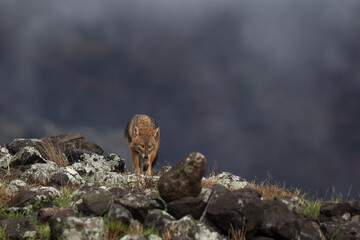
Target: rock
183,179
19,228
341,230
161,171
118,213
39,173
139,203
187,227
66,176
294,204
239,210
49,214
134,236
95,204
15,186
186,206
118,192
231,181
95,166
130,181
31,199
91,228
158,219
48,191
17,144
27,156
310,228
5,157
116,161
336,209
75,155
279,222
74,141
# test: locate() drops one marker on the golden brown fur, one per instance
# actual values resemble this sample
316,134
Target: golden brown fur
143,137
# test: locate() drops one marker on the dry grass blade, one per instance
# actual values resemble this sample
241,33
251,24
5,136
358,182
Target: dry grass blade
5,196
237,234
275,190
52,152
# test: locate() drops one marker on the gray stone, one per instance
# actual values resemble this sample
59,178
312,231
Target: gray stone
130,181
33,200
19,228
134,236
27,156
279,222
17,144
183,179
119,213
231,181
240,210
186,206
15,186
335,209
50,214
187,227
39,173
5,157
96,204
73,228
66,176
139,203
310,228
158,219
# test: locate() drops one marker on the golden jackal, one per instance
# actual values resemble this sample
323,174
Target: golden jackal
143,136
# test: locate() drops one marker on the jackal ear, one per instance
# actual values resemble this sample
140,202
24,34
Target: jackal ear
136,131
155,132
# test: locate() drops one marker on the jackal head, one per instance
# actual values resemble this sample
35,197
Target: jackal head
146,143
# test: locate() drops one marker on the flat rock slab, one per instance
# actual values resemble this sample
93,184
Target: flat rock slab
183,179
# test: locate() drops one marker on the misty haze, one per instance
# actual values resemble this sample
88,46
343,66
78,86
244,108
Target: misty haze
258,87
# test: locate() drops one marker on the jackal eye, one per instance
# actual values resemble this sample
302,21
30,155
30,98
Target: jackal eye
142,146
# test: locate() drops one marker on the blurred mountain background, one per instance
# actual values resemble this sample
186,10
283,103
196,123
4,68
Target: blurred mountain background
258,87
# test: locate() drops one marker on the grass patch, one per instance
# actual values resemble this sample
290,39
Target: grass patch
52,152
5,196
64,200
275,189
116,230
311,208
237,234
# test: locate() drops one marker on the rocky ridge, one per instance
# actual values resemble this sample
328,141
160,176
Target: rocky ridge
63,187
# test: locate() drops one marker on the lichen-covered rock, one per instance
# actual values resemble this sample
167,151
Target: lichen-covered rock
341,230
18,228
17,144
294,203
187,227
15,186
130,181
5,157
66,176
139,203
96,204
158,219
117,162
183,179
74,228
135,236
238,210
119,213
26,156
48,191
95,166
39,173
31,199
231,181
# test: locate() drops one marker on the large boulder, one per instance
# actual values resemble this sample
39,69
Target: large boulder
96,204
183,179
279,221
186,206
235,210
5,157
